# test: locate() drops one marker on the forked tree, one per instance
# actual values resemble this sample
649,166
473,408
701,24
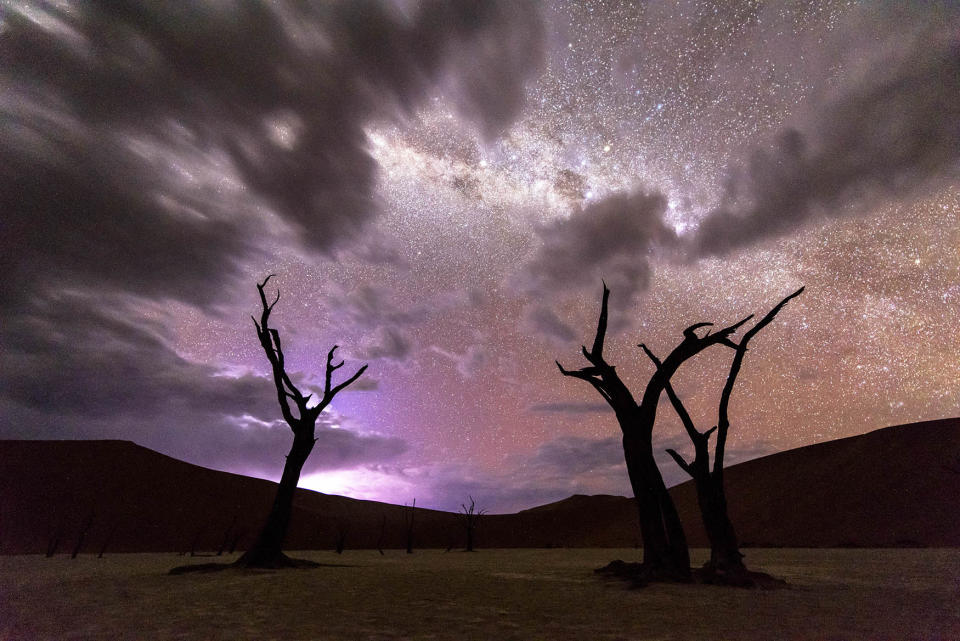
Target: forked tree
665,551
471,518
266,550
726,562
409,513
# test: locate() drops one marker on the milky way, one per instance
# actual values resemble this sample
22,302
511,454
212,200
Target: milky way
480,259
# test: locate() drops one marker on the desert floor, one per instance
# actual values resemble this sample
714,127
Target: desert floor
489,594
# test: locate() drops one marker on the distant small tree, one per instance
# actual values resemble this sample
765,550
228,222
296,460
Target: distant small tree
340,543
224,544
108,539
383,533
235,541
953,466
726,562
266,551
82,535
195,541
54,541
471,518
408,515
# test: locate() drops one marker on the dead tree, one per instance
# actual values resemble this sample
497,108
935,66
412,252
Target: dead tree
109,539
226,536
408,514
952,466
54,541
81,536
266,550
471,518
665,551
383,533
726,562
235,541
194,542
340,543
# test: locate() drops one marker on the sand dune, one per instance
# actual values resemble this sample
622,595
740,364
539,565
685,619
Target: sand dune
890,487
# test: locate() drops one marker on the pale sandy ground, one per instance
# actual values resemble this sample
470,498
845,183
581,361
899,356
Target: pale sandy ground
491,594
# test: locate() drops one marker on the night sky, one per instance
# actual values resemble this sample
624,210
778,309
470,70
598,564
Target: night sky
439,189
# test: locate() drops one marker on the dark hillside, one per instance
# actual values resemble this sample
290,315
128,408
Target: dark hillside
889,487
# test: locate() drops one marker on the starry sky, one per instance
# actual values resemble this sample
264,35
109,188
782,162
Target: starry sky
440,189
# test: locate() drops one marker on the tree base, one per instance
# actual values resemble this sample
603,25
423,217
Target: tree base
639,575
272,561
278,561
738,577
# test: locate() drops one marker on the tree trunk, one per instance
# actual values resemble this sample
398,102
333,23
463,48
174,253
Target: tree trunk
725,554
266,551
665,552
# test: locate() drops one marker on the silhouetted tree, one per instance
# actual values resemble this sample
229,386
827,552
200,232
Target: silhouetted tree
81,536
726,562
383,533
235,541
408,515
471,518
195,541
665,551
108,540
341,541
953,466
266,550
54,541
226,536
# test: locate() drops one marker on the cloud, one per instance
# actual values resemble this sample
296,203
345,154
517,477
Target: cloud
610,239
371,307
890,125
390,344
575,455
569,408
543,321
364,384
152,152
73,369
154,147
468,363
556,469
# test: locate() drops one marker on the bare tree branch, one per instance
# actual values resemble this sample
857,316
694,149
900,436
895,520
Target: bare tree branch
600,374
680,461
723,418
266,551
601,326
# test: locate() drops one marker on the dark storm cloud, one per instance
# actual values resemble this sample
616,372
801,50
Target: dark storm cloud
72,369
389,343
890,126
151,151
569,408
469,363
143,141
544,321
370,306
555,470
575,455
364,384
610,239
385,320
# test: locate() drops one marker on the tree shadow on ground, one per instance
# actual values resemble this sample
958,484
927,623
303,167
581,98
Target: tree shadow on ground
636,575
288,563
